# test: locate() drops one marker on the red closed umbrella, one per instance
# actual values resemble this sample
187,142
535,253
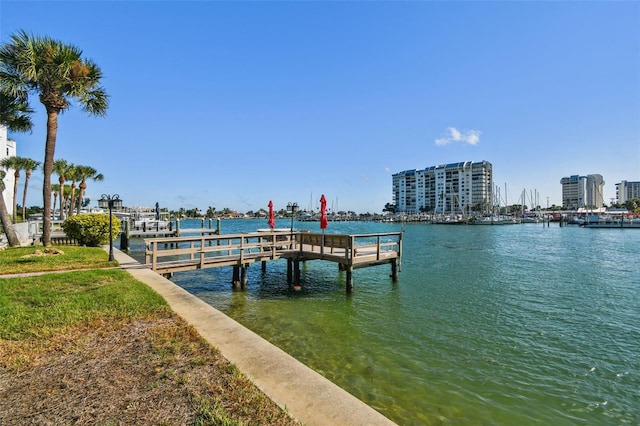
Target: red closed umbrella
272,221
323,212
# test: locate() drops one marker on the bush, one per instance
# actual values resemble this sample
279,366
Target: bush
90,229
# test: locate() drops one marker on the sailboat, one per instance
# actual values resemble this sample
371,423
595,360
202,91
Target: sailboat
452,218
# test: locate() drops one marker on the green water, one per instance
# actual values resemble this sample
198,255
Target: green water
487,325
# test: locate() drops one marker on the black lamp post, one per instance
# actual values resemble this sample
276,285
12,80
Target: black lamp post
292,208
112,202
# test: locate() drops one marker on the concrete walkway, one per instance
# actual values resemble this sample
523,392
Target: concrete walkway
303,393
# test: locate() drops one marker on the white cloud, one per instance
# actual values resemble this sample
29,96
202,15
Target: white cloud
473,137
470,137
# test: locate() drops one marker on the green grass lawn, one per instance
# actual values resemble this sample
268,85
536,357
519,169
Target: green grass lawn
39,306
19,260
145,347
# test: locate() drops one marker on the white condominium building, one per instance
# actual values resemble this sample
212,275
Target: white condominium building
7,149
456,187
627,191
582,191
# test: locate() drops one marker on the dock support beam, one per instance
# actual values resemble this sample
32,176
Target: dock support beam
240,277
244,277
235,279
394,270
293,272
349,270
296,272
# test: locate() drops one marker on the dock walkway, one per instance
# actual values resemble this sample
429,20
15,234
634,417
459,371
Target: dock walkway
172,254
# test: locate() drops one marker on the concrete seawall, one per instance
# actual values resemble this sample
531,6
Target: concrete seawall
303,393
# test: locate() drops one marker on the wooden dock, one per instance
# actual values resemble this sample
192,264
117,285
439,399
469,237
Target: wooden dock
172,254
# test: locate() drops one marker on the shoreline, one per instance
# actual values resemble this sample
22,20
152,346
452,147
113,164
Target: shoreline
305,394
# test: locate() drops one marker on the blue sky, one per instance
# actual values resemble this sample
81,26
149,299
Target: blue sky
233,104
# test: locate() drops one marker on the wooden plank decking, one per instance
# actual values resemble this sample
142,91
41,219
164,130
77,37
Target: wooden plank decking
173,254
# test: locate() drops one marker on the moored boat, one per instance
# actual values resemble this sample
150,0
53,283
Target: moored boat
611,222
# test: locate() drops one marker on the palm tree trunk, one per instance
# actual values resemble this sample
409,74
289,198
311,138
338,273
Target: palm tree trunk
55,199
6,223
83,186
73,199
24,195
49,152
61,180
16,177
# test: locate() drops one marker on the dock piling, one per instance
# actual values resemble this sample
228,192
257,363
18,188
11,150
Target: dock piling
244,277
289,271
235,279
296,270
349,276
125,236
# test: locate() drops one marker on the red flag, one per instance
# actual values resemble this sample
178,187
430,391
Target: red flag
272,222
323,212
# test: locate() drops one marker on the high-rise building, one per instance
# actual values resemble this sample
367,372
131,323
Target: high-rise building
627,191
455,187
7,149
582,191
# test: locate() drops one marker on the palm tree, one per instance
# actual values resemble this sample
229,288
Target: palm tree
72,174
211,212
14,163
28,165
84,173
62,169
55,188
63,195
57,73
12,238
15,113
18,164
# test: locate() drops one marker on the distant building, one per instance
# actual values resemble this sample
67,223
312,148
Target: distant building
627,191
7,149
455,187
582,191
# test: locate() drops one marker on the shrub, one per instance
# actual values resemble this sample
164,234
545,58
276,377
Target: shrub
90,229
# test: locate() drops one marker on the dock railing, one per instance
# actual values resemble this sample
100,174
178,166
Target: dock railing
36,229
170,254
353,248
199,251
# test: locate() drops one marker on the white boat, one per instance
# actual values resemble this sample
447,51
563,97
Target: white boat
486,220
148,220
613,222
